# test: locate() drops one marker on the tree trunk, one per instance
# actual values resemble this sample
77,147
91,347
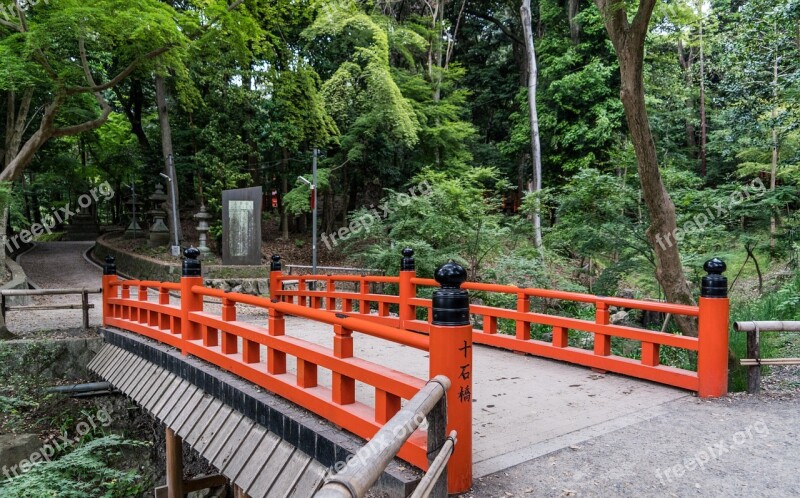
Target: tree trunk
773,221
628,40
284,190
169,159
536,152
574,27
686,60
703,126
15,128
133,106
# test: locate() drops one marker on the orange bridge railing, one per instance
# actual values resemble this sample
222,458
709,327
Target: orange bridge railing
709,379
259,353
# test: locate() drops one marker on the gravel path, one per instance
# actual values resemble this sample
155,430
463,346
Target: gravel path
51,265
740,445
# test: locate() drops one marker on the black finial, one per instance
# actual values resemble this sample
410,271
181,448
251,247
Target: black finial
450,302
110,268
714,284
276,263
407,263
191,266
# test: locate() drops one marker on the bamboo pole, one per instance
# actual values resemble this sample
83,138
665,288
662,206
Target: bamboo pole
767,326
369,462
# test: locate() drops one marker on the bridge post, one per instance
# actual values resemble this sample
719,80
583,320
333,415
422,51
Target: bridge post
408,290
174,464
274,273
712,354
276,360
109,291
190,301
451,356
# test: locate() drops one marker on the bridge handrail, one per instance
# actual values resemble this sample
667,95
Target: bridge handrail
238,347
366,466
339,278
355,324
620,302
709,379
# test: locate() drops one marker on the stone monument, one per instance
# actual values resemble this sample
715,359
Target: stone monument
241,226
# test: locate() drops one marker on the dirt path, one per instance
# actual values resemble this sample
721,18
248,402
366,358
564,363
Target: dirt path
52,265
736,446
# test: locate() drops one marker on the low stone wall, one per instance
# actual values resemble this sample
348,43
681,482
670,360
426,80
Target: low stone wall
65,359
244,279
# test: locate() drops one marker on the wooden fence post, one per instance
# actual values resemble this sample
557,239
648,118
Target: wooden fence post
451,356
407,289
109,290
190,301
712,354
754,351
85,308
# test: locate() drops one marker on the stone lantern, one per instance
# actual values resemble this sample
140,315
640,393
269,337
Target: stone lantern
202,229
134,230
159,232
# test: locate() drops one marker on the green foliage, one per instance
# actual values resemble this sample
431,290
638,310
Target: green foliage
298,200
454,217
362,94
594,211
85,471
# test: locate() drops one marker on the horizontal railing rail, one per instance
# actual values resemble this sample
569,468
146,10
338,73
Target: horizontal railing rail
709,378
354,477
358,271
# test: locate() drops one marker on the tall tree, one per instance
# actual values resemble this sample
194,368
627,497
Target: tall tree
46,41
536,148
628,38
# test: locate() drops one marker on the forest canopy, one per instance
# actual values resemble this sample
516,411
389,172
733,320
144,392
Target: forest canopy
240,93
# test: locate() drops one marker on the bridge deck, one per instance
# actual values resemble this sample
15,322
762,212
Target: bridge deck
524,406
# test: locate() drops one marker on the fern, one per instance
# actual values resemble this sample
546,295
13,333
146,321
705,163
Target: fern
83,472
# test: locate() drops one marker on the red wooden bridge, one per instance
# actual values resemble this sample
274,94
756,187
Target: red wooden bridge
443,330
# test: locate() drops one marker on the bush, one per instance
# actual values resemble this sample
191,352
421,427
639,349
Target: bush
85,471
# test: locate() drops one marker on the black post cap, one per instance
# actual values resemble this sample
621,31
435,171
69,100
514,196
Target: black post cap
714,284
451,302
110,268
407,263
275,265
191,266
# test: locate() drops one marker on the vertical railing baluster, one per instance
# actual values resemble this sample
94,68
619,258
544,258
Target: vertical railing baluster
344,388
